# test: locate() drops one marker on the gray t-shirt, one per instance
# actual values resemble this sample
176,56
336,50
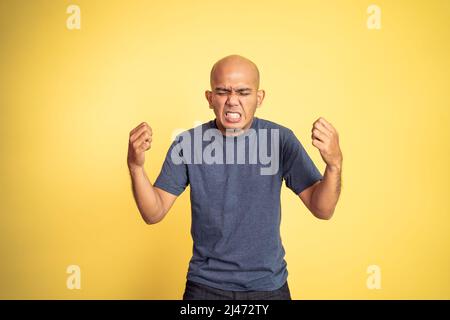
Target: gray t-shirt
235,200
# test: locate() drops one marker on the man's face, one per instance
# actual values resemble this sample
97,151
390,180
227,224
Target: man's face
234,96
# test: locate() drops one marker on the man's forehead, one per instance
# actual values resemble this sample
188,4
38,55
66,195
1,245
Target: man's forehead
234,79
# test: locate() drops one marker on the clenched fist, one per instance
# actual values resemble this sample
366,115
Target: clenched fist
326,139
140,141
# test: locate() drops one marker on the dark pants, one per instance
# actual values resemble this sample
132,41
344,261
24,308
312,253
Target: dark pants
197,291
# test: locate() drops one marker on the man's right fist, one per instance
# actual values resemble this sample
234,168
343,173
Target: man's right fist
140,141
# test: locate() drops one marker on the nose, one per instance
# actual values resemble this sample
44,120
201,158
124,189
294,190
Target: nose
233,98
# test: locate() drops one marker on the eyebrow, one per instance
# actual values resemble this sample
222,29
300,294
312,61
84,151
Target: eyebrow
225,89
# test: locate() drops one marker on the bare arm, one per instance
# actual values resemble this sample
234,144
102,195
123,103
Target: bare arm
322,197
153,203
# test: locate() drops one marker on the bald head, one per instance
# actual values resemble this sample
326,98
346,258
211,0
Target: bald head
235,93
232,64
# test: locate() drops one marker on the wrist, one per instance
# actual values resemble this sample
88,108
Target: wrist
334,168
134,170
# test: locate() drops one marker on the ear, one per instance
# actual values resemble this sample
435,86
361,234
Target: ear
260,97
208,96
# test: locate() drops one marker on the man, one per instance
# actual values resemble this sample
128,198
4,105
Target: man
235,199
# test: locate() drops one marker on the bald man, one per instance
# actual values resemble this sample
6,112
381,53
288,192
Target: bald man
235,166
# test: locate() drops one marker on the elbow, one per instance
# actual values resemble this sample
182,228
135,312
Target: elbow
326,216
323,214
154,219
150,221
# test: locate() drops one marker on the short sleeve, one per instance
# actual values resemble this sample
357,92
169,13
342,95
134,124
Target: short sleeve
299,171
173,177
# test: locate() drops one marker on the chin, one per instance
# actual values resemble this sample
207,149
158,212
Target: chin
236,125
233,126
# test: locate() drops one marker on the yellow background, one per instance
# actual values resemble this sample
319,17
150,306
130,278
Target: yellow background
68,100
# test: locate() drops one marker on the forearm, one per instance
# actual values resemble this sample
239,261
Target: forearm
146,197
326,193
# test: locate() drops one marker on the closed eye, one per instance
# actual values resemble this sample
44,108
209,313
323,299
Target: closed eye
222,92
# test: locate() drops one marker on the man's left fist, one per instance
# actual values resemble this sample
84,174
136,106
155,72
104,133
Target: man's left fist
326,139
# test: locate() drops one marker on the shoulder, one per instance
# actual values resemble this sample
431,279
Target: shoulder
199,128
285,132
289,142
202,127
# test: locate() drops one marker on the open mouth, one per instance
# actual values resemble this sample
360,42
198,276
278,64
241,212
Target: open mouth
232,116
